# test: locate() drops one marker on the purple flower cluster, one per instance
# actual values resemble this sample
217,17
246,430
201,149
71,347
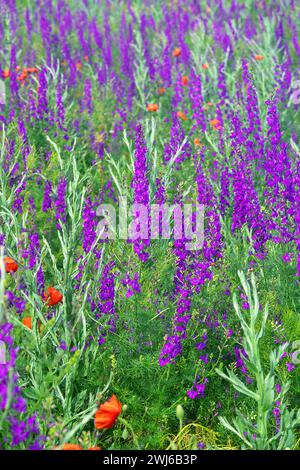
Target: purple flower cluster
173,343
140,186
198,389
89,225
106,306
60,202
132,284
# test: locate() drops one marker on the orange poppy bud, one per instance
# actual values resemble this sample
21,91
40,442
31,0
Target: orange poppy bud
182,116
107,413
71,447
259,57
10,265
5,73
176,52
184,80
152,107
209,103
79,65
161,91
53,297
205,66
95,448
86,58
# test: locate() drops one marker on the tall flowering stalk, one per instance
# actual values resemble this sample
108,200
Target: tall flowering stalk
211,252
42,106
106,305
246,207
172,347
176,142
147,52
47,199
140,186
202,265
60,202
254,141
33,254
89,225
197,102
297,216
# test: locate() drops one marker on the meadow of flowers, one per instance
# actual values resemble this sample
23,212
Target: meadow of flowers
108,342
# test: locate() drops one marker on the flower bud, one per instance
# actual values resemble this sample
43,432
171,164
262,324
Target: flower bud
179,412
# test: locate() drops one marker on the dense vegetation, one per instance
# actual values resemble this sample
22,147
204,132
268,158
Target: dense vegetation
159,102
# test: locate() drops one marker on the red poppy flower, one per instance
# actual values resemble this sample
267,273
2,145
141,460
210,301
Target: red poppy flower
5,73
107,413
71,447
205,66
53,296
161,91
176,52
10,265
184,80
94,448
259,57
152,107
22,76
